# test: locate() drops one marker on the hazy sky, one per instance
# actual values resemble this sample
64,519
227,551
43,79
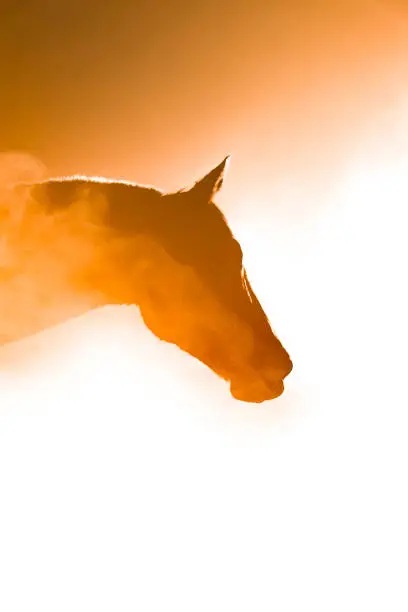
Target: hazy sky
158,91
128,476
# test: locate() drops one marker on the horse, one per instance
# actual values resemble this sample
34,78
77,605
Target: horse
73,244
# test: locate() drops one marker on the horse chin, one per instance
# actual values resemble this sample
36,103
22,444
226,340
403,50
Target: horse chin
256,392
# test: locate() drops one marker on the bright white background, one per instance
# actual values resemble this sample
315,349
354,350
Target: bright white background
129,480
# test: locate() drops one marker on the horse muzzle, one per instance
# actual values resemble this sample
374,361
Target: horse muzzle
256,391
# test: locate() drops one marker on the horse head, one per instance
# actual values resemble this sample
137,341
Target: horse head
199,297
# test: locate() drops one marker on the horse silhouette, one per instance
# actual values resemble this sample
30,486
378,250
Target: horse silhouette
74,244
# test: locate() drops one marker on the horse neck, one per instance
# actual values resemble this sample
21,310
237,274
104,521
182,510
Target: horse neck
45,278
57,267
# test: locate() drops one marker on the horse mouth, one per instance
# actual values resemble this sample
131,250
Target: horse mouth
257,392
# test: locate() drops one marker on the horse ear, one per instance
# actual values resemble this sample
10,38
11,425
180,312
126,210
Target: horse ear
208,186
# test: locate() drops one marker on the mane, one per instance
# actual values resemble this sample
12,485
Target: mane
99,180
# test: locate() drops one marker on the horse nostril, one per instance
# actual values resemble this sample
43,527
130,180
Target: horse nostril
283,369
276,367
275,372
288,369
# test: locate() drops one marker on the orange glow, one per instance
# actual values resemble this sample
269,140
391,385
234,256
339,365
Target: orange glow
129,478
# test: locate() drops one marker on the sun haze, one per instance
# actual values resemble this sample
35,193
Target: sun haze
130,476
